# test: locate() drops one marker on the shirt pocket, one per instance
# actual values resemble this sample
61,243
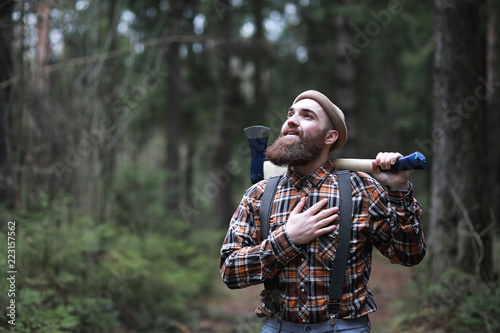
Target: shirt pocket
327,247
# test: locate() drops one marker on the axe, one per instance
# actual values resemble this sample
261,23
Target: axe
257,140
261,168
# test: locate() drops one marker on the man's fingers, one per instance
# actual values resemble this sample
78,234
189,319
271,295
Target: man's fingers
298,208
326,221
325,230
314,209
327,213
386,160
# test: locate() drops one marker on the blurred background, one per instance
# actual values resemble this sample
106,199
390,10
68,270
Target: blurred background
123,156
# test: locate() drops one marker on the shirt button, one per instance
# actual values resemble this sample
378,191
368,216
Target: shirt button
302,259
304,320
303,290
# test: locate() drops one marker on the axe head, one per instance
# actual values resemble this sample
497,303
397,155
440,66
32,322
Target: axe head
257,137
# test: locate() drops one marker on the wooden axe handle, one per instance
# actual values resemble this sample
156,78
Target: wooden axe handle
415,161
354,164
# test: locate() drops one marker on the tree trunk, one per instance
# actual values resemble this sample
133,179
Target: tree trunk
41,137
108,155
458,213
220,177
392,139
345,86
173,113
21,96
492,117
6,71
259,51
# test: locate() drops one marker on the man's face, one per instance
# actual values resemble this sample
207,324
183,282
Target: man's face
302,137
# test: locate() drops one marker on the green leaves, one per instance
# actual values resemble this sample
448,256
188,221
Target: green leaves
79,274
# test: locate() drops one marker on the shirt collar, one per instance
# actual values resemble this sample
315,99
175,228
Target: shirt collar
315,179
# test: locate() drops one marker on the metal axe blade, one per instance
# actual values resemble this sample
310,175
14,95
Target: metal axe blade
257,137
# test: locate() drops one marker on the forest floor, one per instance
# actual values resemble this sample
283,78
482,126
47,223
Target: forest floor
232,311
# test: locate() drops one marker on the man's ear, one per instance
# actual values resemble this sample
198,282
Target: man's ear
331,137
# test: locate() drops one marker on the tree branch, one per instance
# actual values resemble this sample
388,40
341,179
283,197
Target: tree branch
211,42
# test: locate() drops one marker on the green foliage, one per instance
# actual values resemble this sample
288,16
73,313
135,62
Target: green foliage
458,303
57,285
84,275
158,277
139,196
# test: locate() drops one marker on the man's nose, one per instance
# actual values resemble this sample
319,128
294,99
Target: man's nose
292,121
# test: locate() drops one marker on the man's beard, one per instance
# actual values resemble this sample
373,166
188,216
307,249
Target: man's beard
286,150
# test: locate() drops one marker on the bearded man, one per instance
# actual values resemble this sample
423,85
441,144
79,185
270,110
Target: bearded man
302,242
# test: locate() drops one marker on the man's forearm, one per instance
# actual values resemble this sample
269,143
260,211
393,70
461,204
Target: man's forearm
241,267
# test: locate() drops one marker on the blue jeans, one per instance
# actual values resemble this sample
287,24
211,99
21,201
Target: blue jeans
358,325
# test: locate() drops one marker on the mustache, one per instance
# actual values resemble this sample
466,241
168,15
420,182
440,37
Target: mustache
292,129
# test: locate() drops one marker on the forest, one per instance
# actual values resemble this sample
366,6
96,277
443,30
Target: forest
123,153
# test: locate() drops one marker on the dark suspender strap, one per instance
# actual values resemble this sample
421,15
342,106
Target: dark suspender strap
267,204
265,214
340,262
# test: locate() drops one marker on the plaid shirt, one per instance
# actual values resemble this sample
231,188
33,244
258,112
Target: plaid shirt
390,221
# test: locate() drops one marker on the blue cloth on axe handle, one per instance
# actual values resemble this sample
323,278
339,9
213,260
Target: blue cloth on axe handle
257,147
257,140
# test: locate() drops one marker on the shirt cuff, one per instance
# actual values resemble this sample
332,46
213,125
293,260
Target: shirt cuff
401,199
282,245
